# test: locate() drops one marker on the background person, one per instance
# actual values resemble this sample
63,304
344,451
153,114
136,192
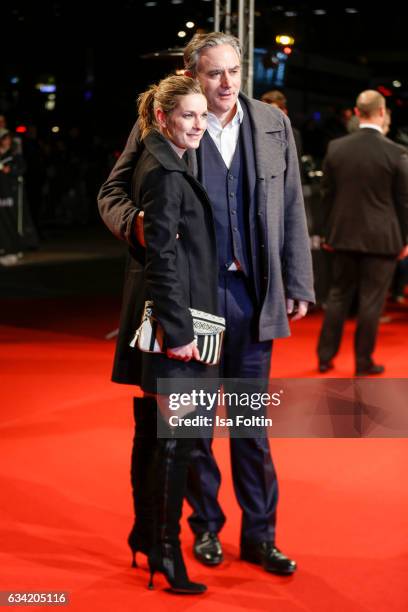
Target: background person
365,188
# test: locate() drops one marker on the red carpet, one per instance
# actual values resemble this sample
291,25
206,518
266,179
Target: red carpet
65,502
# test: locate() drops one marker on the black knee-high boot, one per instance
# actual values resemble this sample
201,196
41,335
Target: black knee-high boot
143,462
166,556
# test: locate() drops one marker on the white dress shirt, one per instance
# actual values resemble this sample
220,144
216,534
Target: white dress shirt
226,138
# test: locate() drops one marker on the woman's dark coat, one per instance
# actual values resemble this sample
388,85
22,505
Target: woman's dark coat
180,263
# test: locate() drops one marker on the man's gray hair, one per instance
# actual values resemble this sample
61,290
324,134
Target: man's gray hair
199,42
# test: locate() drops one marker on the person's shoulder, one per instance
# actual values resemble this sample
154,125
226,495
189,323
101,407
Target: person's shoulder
394,147
343,142
157,178
263,113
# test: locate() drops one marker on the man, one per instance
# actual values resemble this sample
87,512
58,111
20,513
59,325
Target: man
248,164
365,190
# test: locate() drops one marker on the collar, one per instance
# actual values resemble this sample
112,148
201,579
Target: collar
215,124
160,148
372,126
179,151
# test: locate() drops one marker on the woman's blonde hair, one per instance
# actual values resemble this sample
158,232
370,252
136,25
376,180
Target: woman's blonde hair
164,95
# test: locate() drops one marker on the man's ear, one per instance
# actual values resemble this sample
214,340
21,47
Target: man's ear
187,73
357,112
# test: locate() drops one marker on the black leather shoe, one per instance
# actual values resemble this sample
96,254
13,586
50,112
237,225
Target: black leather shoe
372,370
325,366
270,557
207,548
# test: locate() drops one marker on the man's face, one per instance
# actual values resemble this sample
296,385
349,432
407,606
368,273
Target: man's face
219,74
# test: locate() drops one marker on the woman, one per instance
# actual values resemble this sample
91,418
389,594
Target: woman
179,273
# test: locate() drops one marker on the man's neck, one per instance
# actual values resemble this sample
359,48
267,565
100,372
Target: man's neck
225,118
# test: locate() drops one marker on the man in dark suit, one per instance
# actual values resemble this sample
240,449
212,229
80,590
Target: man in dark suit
248,165
365,190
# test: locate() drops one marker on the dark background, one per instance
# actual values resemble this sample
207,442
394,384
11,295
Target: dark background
94,50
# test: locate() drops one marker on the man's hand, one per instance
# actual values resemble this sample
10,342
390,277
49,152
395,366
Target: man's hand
139,229
299,311
185,352
403,253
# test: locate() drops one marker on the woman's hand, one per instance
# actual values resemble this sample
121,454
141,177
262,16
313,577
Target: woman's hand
185,352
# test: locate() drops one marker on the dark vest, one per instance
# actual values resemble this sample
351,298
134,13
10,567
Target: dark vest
226,190
238,210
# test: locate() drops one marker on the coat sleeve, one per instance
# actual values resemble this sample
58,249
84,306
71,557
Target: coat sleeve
161,202
401,194
327,191
297,259
115,203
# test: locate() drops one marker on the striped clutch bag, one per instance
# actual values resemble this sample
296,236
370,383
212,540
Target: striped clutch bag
208,333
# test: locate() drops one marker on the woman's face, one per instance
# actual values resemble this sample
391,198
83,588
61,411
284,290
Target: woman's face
186,124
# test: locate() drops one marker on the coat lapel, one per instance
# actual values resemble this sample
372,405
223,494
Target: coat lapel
269,137
159,147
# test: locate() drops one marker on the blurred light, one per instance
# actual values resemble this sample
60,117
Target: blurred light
46,88
384,91
320,12
14,80
150,4
88,95
284,39
351,11
397,83
51,96
49,105
287,50
317,116
179,71
210,19
290,14
181,34
176,1
190,24
21,129
55,129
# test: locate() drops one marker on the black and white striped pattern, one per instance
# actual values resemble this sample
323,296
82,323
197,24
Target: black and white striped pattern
209,346
208,333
